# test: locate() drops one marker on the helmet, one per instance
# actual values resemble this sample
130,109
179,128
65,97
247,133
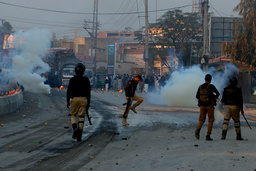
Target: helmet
233,81
79,69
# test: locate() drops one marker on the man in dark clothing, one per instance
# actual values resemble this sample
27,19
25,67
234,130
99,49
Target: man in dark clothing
146,82
206,95
79,90
130,96
233,100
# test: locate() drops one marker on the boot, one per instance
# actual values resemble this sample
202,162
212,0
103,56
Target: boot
124,121
79,135
133,109
238,136
75,131
208,138
224,133
197,133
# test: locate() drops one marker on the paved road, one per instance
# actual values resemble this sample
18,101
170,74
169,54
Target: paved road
38,135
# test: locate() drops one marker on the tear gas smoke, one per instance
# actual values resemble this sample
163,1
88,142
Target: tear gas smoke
180,90
28,64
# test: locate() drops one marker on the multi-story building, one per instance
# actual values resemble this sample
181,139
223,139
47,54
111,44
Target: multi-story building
128,54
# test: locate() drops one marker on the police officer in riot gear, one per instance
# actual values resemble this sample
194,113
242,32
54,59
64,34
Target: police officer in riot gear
233,100
79,90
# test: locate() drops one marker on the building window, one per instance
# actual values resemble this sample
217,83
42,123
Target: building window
112,34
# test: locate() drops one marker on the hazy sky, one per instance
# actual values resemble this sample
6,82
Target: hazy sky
65,16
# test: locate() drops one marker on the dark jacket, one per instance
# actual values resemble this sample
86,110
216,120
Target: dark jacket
79,87
130,88
213,94
232,95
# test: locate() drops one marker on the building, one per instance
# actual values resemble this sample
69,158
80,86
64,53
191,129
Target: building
128,54
221,29
114,34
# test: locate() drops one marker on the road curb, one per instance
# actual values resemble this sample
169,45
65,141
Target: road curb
11,103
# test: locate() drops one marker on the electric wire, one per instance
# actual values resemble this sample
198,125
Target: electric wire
215,9
84,13
131,21
127,22
120,17
138,13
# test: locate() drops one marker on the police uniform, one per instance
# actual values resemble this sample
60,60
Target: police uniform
233,100
79,90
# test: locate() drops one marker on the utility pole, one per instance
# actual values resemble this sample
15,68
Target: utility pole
146,38
205,36
205,42
93,34
2,35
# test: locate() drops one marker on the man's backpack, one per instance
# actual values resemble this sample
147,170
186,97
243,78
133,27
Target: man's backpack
204,96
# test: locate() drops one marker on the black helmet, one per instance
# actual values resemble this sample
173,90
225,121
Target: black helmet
79,69
233,81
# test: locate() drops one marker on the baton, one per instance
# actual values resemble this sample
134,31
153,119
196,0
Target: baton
246,120
89,118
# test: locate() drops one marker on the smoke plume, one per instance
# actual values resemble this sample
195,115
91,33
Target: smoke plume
180,90
28,64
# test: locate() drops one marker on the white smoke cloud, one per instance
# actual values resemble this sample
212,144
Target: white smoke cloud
180,90
33,46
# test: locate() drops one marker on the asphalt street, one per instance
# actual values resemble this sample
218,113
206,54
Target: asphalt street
38,135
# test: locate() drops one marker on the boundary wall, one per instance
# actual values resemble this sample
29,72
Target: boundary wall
11,103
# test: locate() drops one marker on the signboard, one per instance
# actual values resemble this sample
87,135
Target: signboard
111,56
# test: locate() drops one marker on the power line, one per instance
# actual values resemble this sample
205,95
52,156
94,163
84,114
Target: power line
56,22
53,25
83,13
132,18
215,9
124,18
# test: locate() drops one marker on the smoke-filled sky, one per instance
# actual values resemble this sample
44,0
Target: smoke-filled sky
64,16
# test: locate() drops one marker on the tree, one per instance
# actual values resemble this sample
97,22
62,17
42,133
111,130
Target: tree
174,30
7,28
243,48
